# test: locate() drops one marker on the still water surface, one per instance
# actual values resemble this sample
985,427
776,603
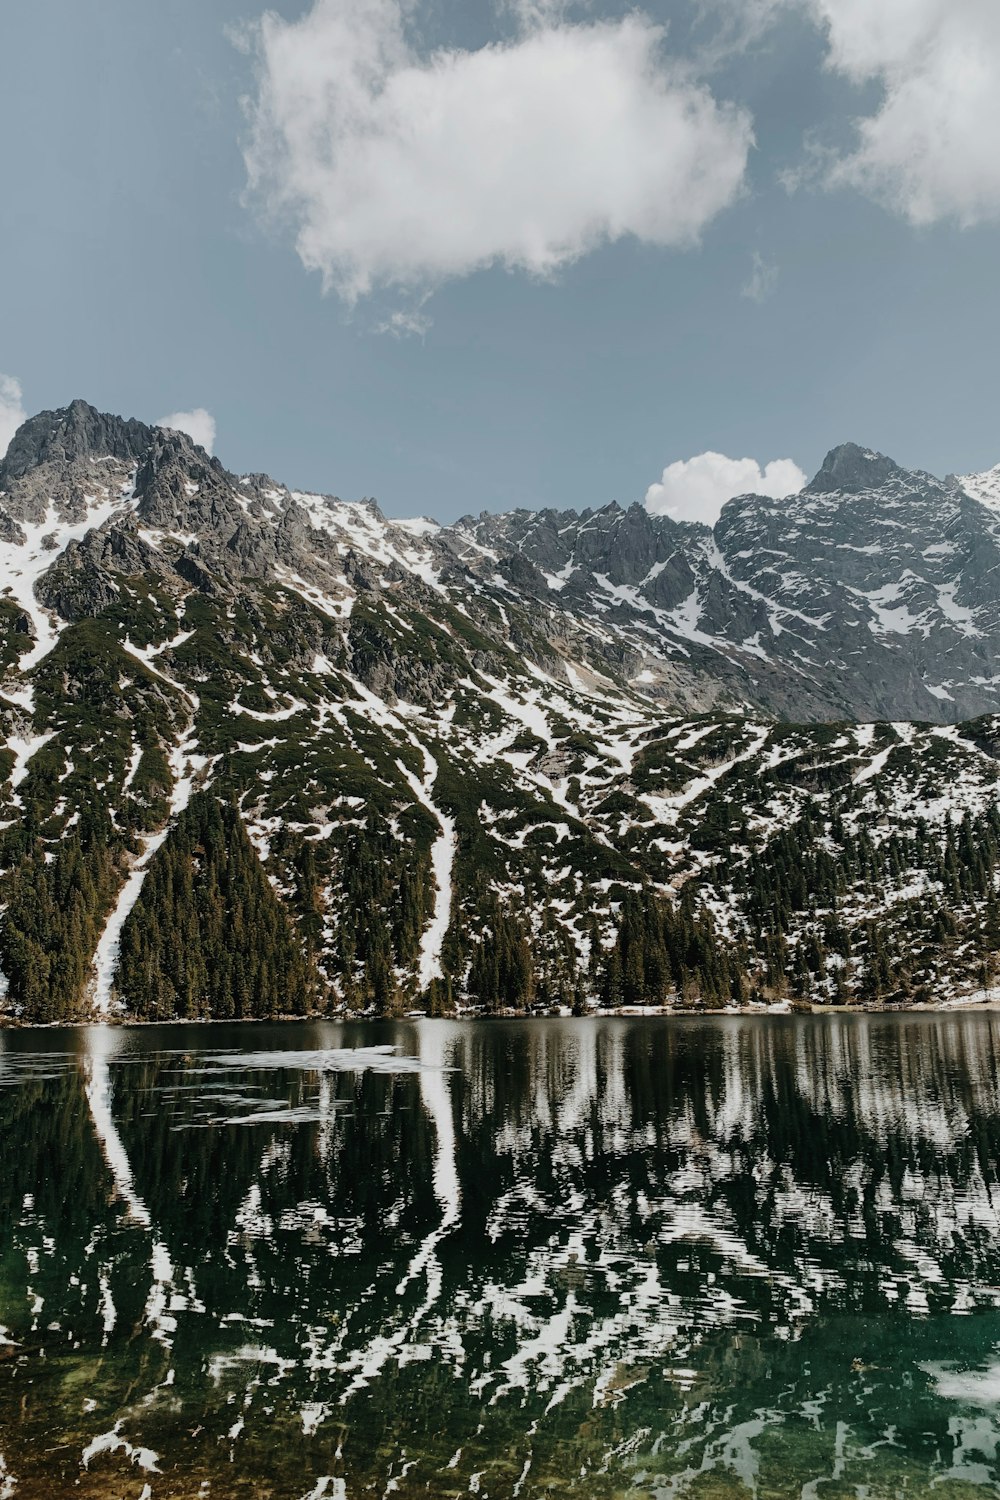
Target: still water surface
620,1258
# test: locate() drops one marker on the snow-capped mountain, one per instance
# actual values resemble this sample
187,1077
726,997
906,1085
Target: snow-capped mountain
875,593
270,751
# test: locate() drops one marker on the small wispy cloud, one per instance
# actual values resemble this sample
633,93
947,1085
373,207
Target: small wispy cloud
406,323
12,412
762,280
199,425
531,13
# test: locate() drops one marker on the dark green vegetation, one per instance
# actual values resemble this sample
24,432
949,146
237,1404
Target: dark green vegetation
54,915
208,937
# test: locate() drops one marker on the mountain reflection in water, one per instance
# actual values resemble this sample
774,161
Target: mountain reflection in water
609,1258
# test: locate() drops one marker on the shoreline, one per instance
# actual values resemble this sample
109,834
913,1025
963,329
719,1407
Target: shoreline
989,1003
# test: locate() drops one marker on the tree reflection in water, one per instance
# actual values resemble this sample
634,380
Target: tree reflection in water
722,1257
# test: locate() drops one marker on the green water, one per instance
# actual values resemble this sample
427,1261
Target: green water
619,1258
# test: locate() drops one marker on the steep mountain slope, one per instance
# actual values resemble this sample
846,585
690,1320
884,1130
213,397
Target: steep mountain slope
524,759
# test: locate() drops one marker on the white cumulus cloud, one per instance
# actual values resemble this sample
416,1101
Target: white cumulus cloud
398,169
12,412
696,489
199,424
931,150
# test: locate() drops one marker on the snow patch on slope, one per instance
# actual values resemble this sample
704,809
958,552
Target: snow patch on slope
984,487
666,809
442,864
22,564
357,526
24,747
187,768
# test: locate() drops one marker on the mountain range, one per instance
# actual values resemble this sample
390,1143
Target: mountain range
270,752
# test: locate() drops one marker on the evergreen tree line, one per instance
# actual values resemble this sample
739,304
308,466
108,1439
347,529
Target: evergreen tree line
362,899
813,865
501,966
208,935
665,950
796,893
57,903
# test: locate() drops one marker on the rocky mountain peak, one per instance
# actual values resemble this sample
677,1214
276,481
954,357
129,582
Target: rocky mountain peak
808,608
851,469
72,433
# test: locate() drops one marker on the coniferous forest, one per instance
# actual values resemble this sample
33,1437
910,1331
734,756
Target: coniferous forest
208,937
339,924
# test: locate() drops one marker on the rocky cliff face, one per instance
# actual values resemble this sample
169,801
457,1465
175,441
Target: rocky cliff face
463,754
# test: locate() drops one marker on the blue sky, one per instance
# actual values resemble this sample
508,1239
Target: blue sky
467,258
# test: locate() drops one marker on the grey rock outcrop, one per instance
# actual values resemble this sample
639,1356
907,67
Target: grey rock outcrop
75,432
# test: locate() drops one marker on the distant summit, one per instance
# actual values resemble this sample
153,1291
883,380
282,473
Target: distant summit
850,469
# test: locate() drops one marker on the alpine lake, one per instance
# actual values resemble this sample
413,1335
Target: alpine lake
608,1257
